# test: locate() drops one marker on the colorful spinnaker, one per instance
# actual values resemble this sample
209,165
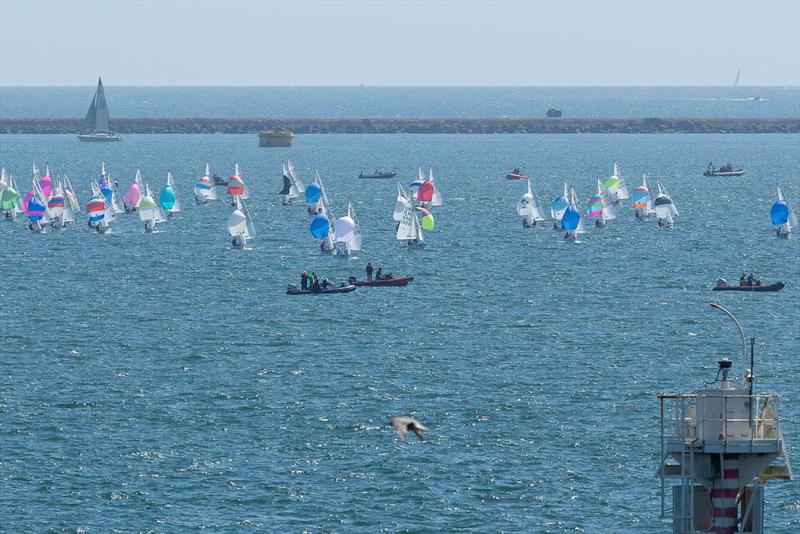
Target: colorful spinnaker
96,209
167,197
427,222
35,209
616,186
571,219
425,191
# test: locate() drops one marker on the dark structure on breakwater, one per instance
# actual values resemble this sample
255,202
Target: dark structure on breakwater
426,126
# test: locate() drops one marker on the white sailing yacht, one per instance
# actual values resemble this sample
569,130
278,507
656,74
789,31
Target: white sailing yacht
97,125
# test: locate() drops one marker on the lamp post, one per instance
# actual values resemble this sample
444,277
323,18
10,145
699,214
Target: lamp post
741,335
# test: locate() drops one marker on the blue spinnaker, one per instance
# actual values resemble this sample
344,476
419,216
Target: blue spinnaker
320,226
779,212
571,218
108,193
313,192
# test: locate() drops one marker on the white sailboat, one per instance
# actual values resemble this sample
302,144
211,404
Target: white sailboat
238,172
251,229
298,183
204,189
291,188
168,198
576,203
409,229
559,206
437,199
665,208
107,182
401,204
643,200
348,231
782,216
738,77
616,186
150,212
238,227
599,207
529,208
323,206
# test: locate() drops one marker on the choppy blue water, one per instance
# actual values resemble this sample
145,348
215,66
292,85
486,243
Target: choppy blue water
405,102
166,383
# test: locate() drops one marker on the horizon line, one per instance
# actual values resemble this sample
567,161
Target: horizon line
365,85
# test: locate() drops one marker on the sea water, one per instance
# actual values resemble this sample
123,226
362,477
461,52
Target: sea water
166,383
404,102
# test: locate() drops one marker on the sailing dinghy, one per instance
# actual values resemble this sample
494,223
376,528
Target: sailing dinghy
599,208
558,207
348,232
168,200
664,207
150,212
616,186
782,216
529,208
642,200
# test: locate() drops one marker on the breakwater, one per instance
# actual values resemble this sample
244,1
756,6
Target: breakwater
428,126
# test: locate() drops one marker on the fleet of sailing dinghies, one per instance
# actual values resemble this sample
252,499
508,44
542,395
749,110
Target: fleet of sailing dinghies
52,201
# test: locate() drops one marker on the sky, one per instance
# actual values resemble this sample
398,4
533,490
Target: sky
399,43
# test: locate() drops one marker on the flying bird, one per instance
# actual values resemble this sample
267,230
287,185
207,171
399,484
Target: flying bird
404,425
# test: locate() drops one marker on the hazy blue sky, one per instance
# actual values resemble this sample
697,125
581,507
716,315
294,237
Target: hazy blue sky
399,43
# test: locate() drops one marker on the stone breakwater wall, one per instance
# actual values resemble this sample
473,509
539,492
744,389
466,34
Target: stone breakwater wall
427,126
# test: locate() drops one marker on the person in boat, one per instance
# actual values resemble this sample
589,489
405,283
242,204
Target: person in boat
526,224
325,283
370,268
315,287
743,279
150,226
379,273
9,216
710,169
750,280
304,280
721,282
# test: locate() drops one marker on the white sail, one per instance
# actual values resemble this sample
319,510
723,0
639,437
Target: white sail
608,208
792,220
622,192
251,229
401,204
536,209
116,205
525,204
298,183
436,199
650,209
673,210
738,76
405,230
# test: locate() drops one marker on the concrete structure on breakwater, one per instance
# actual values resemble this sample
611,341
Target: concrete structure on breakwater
426,126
